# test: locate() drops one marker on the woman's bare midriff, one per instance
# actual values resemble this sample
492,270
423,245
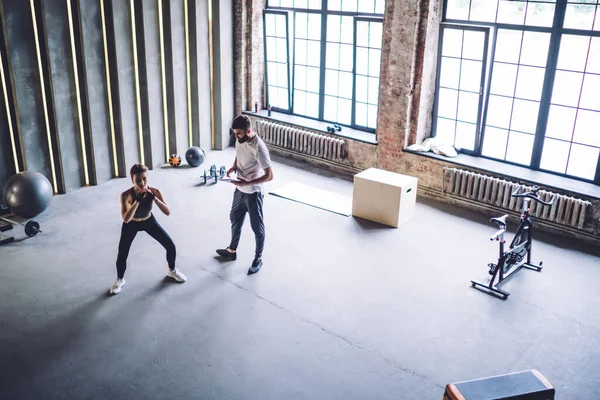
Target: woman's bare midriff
140,219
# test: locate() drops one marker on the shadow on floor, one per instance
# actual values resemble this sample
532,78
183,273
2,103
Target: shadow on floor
24,360
367,225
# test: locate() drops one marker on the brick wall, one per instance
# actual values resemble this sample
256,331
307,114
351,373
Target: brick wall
249,54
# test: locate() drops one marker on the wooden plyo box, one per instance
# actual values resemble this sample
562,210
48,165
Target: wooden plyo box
525,385
383,196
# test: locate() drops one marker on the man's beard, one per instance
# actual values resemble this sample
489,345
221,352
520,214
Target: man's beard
244,138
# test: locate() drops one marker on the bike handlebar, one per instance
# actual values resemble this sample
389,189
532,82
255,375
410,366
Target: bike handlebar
533,195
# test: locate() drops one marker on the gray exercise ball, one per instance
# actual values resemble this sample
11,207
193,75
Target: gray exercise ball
27,193
195,156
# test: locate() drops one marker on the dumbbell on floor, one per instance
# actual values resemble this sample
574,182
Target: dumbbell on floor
31,228
213,173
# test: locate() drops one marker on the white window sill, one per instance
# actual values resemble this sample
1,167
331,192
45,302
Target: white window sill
515,172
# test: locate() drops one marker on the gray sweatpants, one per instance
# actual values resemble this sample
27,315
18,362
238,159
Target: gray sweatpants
253,205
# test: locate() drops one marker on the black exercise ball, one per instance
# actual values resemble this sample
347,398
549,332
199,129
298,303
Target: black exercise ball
195,156
27,193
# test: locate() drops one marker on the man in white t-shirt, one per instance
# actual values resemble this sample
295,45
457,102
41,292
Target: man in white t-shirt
253,167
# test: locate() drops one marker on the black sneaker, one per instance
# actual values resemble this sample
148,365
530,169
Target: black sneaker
227,254
256,264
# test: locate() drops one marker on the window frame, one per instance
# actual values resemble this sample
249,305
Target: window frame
324,12
322,59
556,31
287,44
483,86
354,45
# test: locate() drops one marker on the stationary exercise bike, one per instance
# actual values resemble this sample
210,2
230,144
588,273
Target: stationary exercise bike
518,254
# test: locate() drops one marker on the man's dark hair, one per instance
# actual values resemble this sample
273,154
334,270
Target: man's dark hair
241,122
138,169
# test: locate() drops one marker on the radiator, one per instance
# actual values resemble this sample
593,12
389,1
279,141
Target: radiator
497,192
301,140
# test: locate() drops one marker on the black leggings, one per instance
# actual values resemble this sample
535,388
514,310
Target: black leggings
152,228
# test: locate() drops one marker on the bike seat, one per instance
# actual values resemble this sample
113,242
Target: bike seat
501,221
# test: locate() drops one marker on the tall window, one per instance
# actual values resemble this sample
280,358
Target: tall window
334,50
307,63
277,60
573,133
518,81
367,65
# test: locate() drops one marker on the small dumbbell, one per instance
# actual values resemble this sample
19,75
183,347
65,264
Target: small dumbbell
333,128
212,173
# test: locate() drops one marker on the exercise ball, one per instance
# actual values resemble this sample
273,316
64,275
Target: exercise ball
27,193
195,156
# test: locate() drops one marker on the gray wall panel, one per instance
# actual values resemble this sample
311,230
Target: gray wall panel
122,21
63,115
203,74
11,148
23,56
223,70
153,69
179,72
7,165
97,88
61,66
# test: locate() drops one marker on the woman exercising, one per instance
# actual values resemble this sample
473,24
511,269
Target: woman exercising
136,207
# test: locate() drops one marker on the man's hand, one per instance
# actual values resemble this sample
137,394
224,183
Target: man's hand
231,170
241,183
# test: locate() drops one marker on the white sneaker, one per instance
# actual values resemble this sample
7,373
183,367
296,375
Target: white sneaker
177,275
116,287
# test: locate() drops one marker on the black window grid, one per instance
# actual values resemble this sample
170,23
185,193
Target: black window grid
277,62
369,76
356,6
459,89
572,5
556,30
324,12
494,8
577,109
306,93
514,98
338,72
296,4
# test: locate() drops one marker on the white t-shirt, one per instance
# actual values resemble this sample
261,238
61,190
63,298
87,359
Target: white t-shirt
252,158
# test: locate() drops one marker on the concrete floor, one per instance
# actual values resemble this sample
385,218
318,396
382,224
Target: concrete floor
342,309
